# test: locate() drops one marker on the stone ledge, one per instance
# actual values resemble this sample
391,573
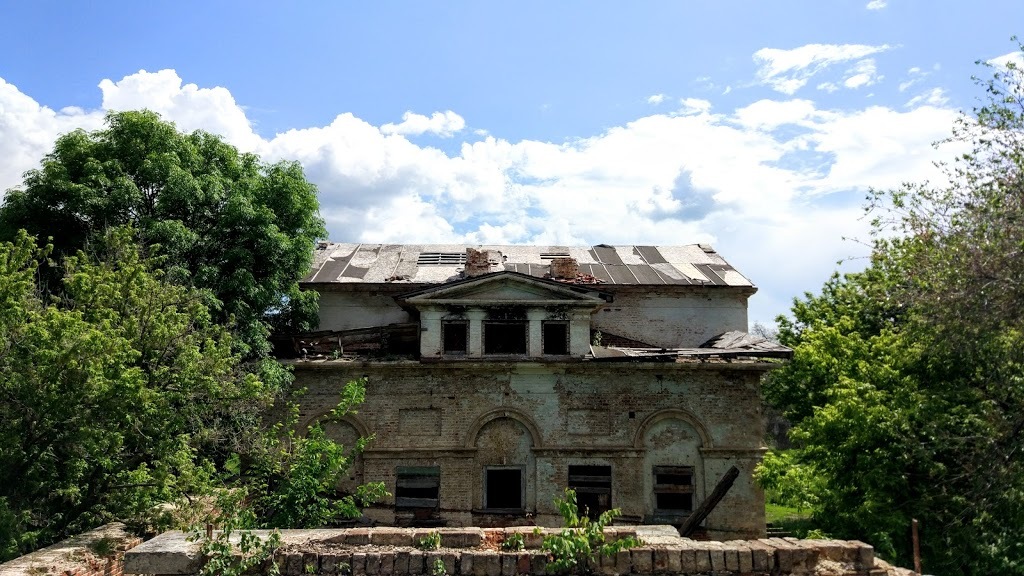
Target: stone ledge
476,552
77,555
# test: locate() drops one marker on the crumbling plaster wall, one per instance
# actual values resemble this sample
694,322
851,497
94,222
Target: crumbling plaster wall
430,414
673,316
669,316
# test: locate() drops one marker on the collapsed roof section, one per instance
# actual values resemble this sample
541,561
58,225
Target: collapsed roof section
423,264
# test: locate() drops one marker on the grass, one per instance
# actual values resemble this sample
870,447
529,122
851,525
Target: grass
797,522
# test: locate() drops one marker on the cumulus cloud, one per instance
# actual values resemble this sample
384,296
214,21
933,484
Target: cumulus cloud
876,4
768,178
787,71
444,124
1016,58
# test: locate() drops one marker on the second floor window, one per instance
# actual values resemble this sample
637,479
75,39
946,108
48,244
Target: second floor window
505,337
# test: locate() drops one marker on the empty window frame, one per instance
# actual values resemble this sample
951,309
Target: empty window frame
503,489
555,337
417,487
593,486
673,490
505,337
454,337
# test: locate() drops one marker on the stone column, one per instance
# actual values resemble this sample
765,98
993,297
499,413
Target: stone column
534,347
430,332
579,333
476,332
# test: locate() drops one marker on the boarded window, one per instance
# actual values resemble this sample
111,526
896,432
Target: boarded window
593,486
555,337
673,490
505,337
455,337
417,487
503,489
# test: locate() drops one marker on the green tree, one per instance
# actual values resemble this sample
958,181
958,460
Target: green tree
907,383
243,229
113,396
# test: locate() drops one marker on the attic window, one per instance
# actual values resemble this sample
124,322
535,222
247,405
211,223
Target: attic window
555,338
441,258
553,255
505,337
454,337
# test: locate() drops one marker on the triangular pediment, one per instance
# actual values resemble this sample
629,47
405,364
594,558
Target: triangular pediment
504,288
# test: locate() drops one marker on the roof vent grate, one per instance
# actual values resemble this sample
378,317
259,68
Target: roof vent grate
441,259
553,255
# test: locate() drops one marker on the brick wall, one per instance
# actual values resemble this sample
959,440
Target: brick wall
630,417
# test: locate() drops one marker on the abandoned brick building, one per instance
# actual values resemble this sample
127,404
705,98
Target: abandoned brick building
497,376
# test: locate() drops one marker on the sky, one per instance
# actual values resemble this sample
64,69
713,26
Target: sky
757,127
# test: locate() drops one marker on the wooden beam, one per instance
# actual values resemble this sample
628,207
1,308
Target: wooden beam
709,503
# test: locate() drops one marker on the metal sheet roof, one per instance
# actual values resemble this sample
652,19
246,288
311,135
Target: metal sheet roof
693,264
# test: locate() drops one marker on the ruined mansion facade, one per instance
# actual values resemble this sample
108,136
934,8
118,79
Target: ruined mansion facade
498,376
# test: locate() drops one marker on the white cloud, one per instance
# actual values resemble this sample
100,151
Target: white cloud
829,87
876,4
933,97
762,180
444,124
656,99
863,73
1016,58
787,71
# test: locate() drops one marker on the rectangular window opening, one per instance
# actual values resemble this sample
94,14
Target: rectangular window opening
593,486
455,337
555,338
417,487
504,489
673,490
507,337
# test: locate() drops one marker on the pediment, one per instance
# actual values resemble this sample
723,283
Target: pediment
505,288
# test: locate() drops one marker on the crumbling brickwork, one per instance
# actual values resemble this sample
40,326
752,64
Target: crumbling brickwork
542,418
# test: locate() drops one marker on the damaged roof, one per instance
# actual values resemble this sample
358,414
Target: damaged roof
692,264
727,346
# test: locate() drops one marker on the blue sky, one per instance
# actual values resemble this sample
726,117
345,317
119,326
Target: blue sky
755,126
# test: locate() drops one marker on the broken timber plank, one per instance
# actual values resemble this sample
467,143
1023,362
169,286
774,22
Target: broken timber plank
709,503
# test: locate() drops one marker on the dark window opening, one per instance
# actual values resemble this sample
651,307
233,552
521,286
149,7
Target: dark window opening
556,337
455,337
673,489
417,487
504,488
593,486
504,337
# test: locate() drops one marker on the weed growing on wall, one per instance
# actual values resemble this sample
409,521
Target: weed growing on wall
582,541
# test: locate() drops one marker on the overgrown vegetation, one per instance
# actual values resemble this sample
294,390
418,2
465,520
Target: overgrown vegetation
582,541
514,543
906,389
134,359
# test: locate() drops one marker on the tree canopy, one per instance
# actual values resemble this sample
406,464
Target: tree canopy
240,228
115,396
907,383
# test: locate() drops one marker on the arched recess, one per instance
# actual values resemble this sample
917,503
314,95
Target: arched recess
507,468
676,414
521,417
672,442
346,430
